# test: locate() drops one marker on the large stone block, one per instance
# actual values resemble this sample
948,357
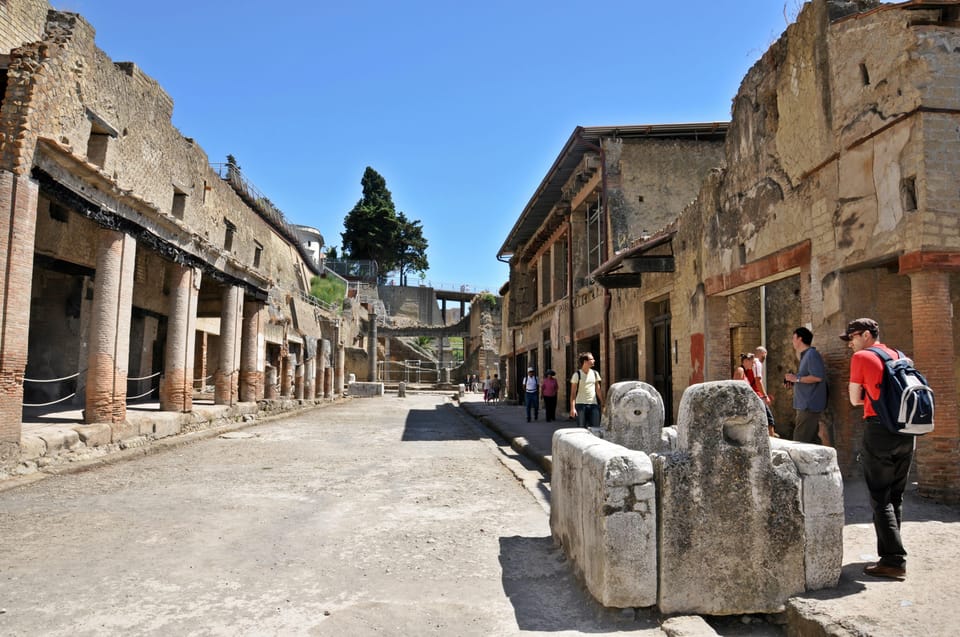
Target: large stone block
566,518
620,524
822,501
635,417
366,390
603,514
730,525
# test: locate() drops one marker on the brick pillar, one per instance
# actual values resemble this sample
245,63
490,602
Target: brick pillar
226,380
253,352
176,386
328,382
298,381
339,362
286,373
18,218
110,332
937,458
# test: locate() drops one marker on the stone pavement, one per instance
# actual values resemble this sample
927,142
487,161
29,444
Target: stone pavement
925,603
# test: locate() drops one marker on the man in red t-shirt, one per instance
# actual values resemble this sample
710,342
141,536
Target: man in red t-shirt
886,456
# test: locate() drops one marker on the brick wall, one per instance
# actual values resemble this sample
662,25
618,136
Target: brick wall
18,205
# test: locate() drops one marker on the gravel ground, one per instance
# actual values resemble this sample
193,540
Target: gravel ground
378,516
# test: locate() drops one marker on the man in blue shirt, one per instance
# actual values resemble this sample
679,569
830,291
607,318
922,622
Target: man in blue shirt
809,388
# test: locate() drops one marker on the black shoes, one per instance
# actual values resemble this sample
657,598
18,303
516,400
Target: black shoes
882,570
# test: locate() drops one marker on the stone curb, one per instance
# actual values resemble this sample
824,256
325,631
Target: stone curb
158,445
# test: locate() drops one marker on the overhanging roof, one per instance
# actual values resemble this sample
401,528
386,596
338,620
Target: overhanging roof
584,139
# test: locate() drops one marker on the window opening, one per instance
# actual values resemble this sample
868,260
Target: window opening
594,238
228,235
179,206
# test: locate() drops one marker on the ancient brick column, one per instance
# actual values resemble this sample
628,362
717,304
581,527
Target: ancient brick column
339,362
18,218
226,380
253,352
176,386
200,361
298,381
110,331
287,361
937,458
328,382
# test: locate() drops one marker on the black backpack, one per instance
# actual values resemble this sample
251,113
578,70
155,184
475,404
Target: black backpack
905,405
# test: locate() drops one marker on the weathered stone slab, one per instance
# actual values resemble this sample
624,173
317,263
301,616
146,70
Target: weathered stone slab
366,390
635,417
730,525
566,507
58,439
32,447
603,513
822,501
687,626
94,435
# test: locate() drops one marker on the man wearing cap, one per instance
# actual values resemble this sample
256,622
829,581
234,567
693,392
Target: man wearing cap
532,395
885,456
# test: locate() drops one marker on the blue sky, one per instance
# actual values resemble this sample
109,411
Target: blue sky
461,106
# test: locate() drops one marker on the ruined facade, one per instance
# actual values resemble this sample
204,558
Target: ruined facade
836,198
131,266
609,188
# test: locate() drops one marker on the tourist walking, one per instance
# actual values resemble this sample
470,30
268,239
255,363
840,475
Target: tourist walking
531,385
586,402
549,389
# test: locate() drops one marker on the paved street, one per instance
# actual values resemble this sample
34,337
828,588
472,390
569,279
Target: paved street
378,516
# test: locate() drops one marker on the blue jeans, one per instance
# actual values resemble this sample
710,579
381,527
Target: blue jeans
532,401
588,415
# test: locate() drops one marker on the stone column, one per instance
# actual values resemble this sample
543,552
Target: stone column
372,347
18,219
310,379
339,356
328,382
176,386
286,382
110,332
298,381
270,391
937,458
227,379
253,351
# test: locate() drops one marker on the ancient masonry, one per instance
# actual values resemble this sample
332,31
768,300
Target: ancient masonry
831,195
131,265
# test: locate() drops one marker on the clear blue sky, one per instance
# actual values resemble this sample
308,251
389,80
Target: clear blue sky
461,106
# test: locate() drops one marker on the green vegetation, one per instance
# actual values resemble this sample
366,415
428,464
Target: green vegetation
487,297
374,231
328,289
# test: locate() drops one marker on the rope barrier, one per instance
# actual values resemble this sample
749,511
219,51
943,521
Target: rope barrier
145,377
52,380
147,393
50,403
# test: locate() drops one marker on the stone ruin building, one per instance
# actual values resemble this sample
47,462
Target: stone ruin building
712,517
128,257
830,195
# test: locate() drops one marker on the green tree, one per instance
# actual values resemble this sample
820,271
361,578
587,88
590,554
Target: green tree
371,229
411,248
